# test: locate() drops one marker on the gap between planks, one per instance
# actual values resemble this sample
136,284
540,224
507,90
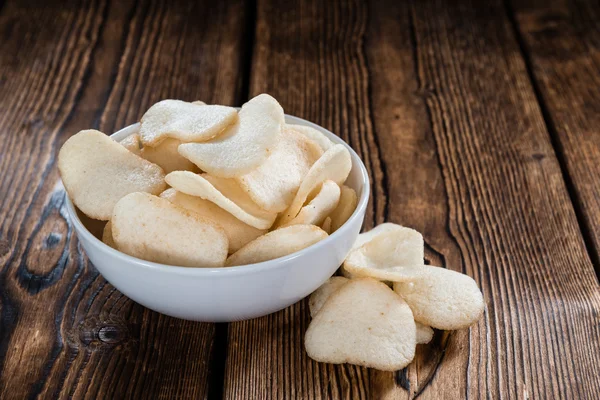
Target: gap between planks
584,228
218,359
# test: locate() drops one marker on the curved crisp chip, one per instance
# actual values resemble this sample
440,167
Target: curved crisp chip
363,323
317,210
244,145
392,256
273,184
199,102
226,193
335,165
442,298
107,235
326,226
97,172
345,208
313,134
277,243
237,232
165,155
379,229
424,333
155,229
386,275
132,143
318,298
184,121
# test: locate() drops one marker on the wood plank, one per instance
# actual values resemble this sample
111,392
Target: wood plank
463,99
437,99
64,331
309,56
562,41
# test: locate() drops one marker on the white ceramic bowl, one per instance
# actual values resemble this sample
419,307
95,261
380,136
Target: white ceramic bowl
232,293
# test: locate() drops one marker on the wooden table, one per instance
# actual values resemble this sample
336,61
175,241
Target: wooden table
479,125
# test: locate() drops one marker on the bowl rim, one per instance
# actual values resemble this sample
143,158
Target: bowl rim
238,269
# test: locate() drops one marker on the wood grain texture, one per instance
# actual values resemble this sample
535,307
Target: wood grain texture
480,162
561,41
436,97
64,331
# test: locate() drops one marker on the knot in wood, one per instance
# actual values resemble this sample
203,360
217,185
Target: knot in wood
98,333
111,334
